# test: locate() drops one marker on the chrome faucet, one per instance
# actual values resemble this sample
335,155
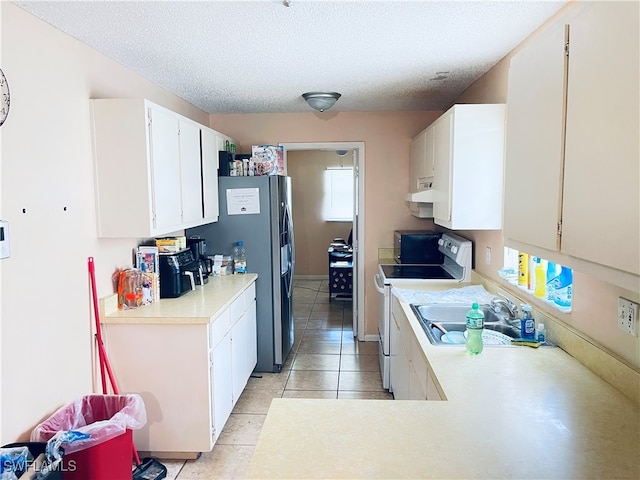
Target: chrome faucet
499,304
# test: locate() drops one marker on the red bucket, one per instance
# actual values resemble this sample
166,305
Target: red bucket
107,420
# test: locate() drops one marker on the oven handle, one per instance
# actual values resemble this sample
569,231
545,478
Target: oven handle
378,283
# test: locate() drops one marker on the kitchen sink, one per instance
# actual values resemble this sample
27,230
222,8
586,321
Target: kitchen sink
452,318
453,313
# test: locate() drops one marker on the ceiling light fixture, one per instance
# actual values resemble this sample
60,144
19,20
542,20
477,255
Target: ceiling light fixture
321,101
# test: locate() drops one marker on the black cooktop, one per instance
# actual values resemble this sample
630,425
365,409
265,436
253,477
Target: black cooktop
419,272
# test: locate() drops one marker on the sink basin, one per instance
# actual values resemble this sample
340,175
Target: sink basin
454,313
453,318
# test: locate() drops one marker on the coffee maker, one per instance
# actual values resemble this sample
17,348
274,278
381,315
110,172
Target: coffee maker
199,248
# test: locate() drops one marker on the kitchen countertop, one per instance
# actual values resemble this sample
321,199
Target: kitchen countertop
195,307
511,412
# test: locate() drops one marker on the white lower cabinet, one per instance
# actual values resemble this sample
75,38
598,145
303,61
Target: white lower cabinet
399,362
243,359
221,385
189,375
411,378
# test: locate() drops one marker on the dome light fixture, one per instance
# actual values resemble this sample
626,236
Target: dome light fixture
321,101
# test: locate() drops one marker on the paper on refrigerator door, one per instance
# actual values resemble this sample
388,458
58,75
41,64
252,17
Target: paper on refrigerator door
243,201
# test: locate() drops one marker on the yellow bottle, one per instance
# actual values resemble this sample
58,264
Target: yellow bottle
540,273
523,269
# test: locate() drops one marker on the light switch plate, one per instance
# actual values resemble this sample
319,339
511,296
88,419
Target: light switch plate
487,255
628,316
5,250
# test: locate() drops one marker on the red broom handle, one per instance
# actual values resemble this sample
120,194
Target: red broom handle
102,354
96,316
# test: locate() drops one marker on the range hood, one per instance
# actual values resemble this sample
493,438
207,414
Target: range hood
424,196
421,203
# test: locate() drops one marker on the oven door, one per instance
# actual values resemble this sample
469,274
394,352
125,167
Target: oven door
384,318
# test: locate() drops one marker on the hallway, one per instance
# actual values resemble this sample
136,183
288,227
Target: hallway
325,362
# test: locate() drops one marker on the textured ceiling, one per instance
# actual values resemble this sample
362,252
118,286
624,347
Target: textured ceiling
260,56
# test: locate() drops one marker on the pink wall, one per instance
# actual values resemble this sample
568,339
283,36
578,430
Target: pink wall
387,136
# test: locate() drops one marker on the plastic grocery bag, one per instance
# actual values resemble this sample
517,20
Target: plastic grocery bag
13,462
91,420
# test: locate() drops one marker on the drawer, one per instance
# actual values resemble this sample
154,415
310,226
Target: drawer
219,327
250,295
240,304
237,308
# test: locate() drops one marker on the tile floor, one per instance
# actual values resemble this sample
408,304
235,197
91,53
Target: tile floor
326,362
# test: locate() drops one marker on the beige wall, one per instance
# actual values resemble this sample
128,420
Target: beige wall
313,234
46,167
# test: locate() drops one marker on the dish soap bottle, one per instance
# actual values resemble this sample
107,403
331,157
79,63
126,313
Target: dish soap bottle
527,323
240,258
540,290
475,326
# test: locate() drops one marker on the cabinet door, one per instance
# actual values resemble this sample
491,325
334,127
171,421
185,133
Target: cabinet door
165,165
442,166
601,193
416,391
190,173
421,161
394,348
429,160
534,144
432,390
210,175
252,336
222,383
399,362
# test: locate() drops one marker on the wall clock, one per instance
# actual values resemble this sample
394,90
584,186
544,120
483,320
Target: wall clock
5,98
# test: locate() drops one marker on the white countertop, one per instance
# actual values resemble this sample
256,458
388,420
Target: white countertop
511,412
197,306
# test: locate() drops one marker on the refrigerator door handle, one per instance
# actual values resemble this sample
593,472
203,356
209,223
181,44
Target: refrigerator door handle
290,250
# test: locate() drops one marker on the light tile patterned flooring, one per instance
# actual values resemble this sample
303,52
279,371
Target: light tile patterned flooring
326,362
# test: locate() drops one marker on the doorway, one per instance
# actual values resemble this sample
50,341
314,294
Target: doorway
358,219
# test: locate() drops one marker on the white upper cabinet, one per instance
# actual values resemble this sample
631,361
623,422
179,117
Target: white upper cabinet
572,150
163,159
421,164
190,173
534,141
468,167
456,168
210,148
153,175
602,150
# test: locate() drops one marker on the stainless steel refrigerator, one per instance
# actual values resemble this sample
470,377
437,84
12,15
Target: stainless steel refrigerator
257,211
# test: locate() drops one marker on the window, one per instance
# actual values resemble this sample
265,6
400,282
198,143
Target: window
338,194
550,282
